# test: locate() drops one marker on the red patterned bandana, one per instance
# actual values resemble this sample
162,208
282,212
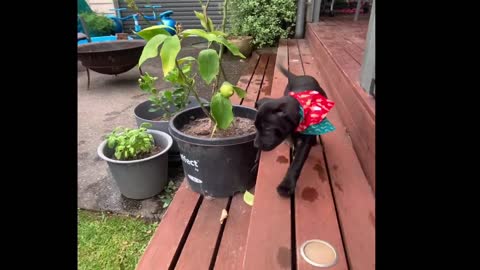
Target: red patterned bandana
315,107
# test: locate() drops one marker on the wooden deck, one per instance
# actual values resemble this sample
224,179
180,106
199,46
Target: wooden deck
339,43
333,200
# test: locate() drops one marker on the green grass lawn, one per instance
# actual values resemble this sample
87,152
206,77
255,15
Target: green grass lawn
110,241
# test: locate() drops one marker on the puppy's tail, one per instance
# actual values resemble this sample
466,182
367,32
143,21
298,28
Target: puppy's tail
286,72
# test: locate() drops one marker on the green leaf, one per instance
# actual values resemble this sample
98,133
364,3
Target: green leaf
207,24
179,92
199,32
173,76
165,204
219,33
208,64
232,48
186,70
149,32
154,99
248,198
168,53
194,32
151,48
201,17
240,92
111,142
221,110
168,95
210,25
185,59
146,125
133,139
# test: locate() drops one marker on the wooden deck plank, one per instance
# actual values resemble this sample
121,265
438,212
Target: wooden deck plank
244,80
315,214
268,79
357,35
294,61
350,38
354,199
336,48
255,83
202,239
232,247
348,64
355,52
161,251
265,88
269,233
231,251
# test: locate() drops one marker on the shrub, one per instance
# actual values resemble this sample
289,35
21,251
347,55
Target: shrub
266,20
98,25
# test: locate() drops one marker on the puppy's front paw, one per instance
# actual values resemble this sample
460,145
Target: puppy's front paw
286,188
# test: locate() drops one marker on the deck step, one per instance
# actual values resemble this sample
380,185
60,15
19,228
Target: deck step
354,198
339,65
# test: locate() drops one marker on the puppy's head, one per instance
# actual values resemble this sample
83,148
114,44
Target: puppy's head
275,120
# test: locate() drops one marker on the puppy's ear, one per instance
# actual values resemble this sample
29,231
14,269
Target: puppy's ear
287,111
260,102
280,108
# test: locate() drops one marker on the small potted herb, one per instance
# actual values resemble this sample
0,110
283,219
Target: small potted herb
137,159
162,105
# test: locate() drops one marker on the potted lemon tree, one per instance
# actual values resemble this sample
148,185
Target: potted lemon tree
215,140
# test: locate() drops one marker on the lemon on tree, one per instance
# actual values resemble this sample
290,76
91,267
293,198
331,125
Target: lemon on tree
226,89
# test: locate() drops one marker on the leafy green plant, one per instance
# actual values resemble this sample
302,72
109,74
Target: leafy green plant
208,62
169,101
167,194
97,25
130,143
266,20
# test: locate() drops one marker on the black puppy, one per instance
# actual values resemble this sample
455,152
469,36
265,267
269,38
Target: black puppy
277,121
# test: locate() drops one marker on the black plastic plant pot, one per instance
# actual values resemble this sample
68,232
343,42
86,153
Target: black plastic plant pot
142,178
142,115
217,167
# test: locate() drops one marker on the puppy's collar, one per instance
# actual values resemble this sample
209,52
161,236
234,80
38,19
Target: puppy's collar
313,109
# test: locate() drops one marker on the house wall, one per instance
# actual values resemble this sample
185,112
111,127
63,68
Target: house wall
182,12
101,6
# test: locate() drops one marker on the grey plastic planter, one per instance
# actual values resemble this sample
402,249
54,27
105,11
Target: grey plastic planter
143,115
143,178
